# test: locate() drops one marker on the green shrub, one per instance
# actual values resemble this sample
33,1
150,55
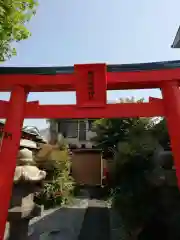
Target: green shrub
133,196
59,185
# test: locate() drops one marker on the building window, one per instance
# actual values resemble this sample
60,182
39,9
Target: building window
72,129
68,128
90,124
82,130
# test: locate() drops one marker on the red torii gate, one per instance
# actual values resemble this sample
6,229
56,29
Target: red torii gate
90,81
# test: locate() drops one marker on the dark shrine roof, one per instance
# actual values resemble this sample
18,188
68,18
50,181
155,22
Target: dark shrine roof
110,68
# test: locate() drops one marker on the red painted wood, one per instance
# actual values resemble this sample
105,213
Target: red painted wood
153,99
115,80
9,150
4,105
72,111
91,85
171,97
110,111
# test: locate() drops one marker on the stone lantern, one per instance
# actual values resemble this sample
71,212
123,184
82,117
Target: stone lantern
28,179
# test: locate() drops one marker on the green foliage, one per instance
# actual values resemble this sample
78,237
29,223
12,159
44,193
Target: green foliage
111,131
160,132
130,100
14,14
59,186
135,140
133,195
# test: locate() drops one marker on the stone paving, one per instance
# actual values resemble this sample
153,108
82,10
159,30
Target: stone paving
86,219
61,223
96,223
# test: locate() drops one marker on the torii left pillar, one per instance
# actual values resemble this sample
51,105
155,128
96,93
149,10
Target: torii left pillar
9,150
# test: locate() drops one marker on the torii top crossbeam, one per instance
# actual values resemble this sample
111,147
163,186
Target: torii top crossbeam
110,77
90,81
125,76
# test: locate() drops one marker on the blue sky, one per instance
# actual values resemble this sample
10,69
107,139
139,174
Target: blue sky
65,32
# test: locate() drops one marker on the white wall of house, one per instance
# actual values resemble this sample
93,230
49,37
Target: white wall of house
77,132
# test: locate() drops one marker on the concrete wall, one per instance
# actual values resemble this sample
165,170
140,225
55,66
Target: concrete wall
74,140
88,143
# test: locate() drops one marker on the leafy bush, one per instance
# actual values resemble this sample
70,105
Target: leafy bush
137,184
59,184
133,196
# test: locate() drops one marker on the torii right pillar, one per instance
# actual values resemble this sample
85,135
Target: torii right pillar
171,100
